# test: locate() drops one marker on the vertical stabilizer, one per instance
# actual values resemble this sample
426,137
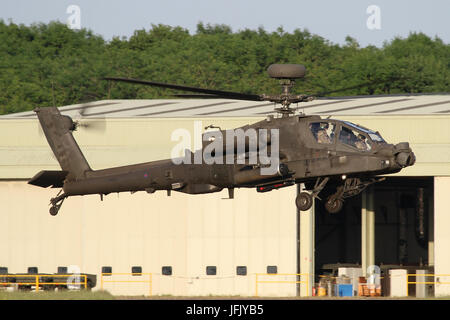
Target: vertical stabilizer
58,131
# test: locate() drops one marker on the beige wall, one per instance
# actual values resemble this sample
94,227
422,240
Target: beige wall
186,232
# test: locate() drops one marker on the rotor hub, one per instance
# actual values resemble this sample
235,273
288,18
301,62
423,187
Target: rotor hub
286,73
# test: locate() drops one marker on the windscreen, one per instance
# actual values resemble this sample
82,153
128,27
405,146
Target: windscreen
354,139
375,136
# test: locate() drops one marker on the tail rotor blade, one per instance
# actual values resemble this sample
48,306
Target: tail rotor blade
94,125
98,124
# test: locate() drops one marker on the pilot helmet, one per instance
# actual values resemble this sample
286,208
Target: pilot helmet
324,125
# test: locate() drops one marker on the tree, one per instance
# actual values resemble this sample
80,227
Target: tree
50,64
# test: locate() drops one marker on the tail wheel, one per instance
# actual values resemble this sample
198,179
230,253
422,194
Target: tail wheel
334,205
304,201
57,203
54,210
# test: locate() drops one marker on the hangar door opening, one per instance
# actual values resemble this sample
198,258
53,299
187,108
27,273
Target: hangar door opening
403,209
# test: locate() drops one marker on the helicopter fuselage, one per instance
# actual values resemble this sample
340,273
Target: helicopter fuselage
302,158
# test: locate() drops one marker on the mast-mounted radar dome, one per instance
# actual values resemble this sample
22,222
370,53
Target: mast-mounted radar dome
286,71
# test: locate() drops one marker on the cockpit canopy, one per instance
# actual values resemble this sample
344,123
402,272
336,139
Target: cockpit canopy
347,133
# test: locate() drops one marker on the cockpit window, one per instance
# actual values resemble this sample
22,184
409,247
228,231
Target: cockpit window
375,136
323,132
354,139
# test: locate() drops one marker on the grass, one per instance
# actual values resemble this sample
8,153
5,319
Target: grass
212,297
53,295
105,295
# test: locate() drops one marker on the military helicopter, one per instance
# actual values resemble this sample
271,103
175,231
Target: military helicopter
317,152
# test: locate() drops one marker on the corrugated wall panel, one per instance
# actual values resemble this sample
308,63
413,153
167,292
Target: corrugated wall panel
185,232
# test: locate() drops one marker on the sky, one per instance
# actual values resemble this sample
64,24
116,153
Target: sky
369,22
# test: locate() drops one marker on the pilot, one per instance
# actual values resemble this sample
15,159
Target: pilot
360,143
344,137
322,135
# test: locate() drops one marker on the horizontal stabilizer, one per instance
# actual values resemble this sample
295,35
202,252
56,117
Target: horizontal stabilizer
47,178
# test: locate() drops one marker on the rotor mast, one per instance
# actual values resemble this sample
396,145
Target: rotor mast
286,73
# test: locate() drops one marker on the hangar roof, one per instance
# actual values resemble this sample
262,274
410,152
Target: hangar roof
174,108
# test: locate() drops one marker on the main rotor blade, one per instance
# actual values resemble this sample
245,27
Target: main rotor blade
361,85
196,96
217,93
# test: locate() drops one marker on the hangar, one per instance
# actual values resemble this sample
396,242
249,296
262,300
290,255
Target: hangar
188,245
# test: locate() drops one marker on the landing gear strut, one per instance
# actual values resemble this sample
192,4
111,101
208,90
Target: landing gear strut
335,202
56,203
304,200
350,188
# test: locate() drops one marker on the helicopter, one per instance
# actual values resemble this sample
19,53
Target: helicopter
332,154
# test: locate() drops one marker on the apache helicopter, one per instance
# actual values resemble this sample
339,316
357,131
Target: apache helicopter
317,152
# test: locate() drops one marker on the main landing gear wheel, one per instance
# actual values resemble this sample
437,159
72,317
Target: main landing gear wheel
334,205
304,201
